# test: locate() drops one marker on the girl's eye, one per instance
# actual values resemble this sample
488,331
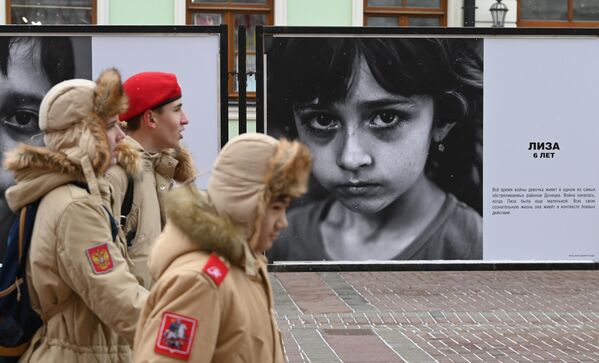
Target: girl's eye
385,119
323,122
22,121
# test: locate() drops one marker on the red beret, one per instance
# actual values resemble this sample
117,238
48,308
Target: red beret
149,90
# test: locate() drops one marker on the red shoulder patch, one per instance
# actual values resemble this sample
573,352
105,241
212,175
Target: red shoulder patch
216,269
175,335
100,259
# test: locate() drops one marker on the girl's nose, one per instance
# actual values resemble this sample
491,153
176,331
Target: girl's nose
282,222
352,154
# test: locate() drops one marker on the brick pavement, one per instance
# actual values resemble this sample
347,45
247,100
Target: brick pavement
475,316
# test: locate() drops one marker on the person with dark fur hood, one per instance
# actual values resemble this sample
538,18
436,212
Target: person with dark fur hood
78,278
154,123
212,300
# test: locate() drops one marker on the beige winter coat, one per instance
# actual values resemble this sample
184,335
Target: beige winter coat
151,181
78,279
227,314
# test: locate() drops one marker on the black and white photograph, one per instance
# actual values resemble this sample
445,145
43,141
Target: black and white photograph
29,67
395,128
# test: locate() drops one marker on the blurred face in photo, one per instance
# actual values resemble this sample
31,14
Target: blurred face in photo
371,146
22,88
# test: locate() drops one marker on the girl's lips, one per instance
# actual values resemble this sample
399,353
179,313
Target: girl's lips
357,189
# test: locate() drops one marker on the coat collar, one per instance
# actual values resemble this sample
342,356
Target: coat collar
193,213
174,164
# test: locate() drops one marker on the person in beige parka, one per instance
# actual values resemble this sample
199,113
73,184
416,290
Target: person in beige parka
78,280
154,122
212,301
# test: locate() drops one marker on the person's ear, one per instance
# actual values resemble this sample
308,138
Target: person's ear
439,132
148,119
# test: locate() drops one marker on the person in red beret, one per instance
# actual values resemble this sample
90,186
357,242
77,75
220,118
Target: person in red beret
154,124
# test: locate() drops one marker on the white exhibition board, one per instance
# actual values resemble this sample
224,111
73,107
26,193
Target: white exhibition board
541,90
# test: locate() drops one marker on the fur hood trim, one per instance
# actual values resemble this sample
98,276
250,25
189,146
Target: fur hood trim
73,117
288,171
40,158
109,97
185,169
195,215
129,157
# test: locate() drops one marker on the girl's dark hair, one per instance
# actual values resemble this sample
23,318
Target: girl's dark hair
450,70
57,58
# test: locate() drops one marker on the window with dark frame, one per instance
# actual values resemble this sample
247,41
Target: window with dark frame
405,12
51,12
558,13
234,13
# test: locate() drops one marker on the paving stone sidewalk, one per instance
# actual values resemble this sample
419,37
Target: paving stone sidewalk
475,316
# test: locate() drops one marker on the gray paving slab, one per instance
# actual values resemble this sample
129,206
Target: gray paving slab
314,346
442,316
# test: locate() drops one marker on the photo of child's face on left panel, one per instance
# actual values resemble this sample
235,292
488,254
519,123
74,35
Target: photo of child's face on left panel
29,67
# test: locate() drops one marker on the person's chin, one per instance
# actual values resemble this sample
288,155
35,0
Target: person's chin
363,205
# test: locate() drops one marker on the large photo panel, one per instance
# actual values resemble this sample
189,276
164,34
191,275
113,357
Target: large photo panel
394,125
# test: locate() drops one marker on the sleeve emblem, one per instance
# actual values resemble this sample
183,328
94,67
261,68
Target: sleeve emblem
176,334
100,259
216,269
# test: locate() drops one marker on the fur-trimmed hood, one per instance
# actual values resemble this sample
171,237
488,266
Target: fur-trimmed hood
73,118
250,170
194,214
130,155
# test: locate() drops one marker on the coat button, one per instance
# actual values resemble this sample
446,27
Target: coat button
162,187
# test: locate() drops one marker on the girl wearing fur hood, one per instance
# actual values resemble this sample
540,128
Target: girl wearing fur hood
78,278
212,301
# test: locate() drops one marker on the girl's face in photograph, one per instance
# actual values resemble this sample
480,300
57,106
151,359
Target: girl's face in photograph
370,147
21,91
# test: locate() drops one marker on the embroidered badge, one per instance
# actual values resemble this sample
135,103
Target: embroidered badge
175,337
100,259
216,269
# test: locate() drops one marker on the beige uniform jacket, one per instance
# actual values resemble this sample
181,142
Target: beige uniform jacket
231,322
90,302
152,180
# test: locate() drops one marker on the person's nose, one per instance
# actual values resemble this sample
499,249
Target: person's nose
282,222
353,154
184,119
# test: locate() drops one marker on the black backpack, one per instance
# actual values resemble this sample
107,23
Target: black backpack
18,321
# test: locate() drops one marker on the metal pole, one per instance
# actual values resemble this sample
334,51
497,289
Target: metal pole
242,79
469,10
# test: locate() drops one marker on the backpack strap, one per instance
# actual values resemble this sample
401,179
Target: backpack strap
127,201
126,209
19,281
22,225
14,351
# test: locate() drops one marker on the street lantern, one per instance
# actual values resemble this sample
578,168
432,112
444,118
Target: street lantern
498,11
